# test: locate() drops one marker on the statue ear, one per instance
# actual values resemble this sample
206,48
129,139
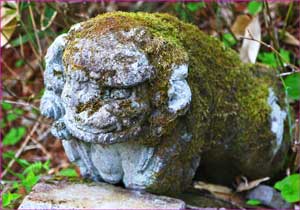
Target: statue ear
54,72
179,93
179,99
55,69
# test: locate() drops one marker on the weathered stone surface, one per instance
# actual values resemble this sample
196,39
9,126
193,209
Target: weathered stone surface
138,98
94,196
268,197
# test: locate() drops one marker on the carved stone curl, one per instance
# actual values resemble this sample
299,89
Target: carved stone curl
137,97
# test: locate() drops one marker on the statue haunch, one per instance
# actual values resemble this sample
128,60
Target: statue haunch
138,98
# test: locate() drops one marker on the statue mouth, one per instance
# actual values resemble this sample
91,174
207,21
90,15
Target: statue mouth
107,134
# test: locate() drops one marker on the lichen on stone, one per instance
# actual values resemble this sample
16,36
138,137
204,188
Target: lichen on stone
144,96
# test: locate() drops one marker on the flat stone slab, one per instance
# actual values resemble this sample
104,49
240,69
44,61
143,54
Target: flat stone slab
68,195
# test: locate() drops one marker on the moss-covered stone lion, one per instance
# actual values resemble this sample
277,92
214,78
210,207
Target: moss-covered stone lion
139,98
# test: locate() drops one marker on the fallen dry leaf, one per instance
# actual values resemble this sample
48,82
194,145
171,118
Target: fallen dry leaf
290,39
8,23
240,24
220,192
250,48
211,187
243,186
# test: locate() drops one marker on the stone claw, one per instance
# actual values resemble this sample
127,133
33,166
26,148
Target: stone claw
60,131
51,106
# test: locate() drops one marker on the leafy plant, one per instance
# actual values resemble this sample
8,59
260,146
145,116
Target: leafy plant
269,58
8,198
68,172
292,83
255,7
37,167
6,106
25,180
289,188
11,114
194,6
14,136
285,55
228,40
253,202
186,11
19,63
30,180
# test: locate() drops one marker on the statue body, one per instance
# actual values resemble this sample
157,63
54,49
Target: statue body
130,106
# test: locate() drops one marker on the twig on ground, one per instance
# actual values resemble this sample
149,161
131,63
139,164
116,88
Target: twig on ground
19,152
35,32
286,20
287,73
41,147
19,54
39,57
21,103
17,77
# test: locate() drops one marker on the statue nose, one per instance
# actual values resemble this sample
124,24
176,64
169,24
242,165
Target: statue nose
102,119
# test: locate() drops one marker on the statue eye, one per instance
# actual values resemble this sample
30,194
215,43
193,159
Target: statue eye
116,93
120,93
79,76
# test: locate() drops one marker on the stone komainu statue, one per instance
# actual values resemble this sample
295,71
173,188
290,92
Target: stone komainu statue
139,98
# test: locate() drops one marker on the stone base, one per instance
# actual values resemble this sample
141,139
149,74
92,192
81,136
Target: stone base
68,195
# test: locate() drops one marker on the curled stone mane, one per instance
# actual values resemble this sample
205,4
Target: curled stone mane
138,98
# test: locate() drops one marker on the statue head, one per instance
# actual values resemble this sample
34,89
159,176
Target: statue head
117,89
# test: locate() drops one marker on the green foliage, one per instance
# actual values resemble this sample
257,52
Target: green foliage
11,117
292,83
47,17
11,155
290,188
8,198
228,40
8,154
195,6
269,58
30,180
19,63
6,106
253,202
14,136
21,40
25,5
68,172
255,7
37,167
285,56
25,180
186,11
12,114
30,171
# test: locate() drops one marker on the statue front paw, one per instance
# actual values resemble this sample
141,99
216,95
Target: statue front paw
51,105
60,131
